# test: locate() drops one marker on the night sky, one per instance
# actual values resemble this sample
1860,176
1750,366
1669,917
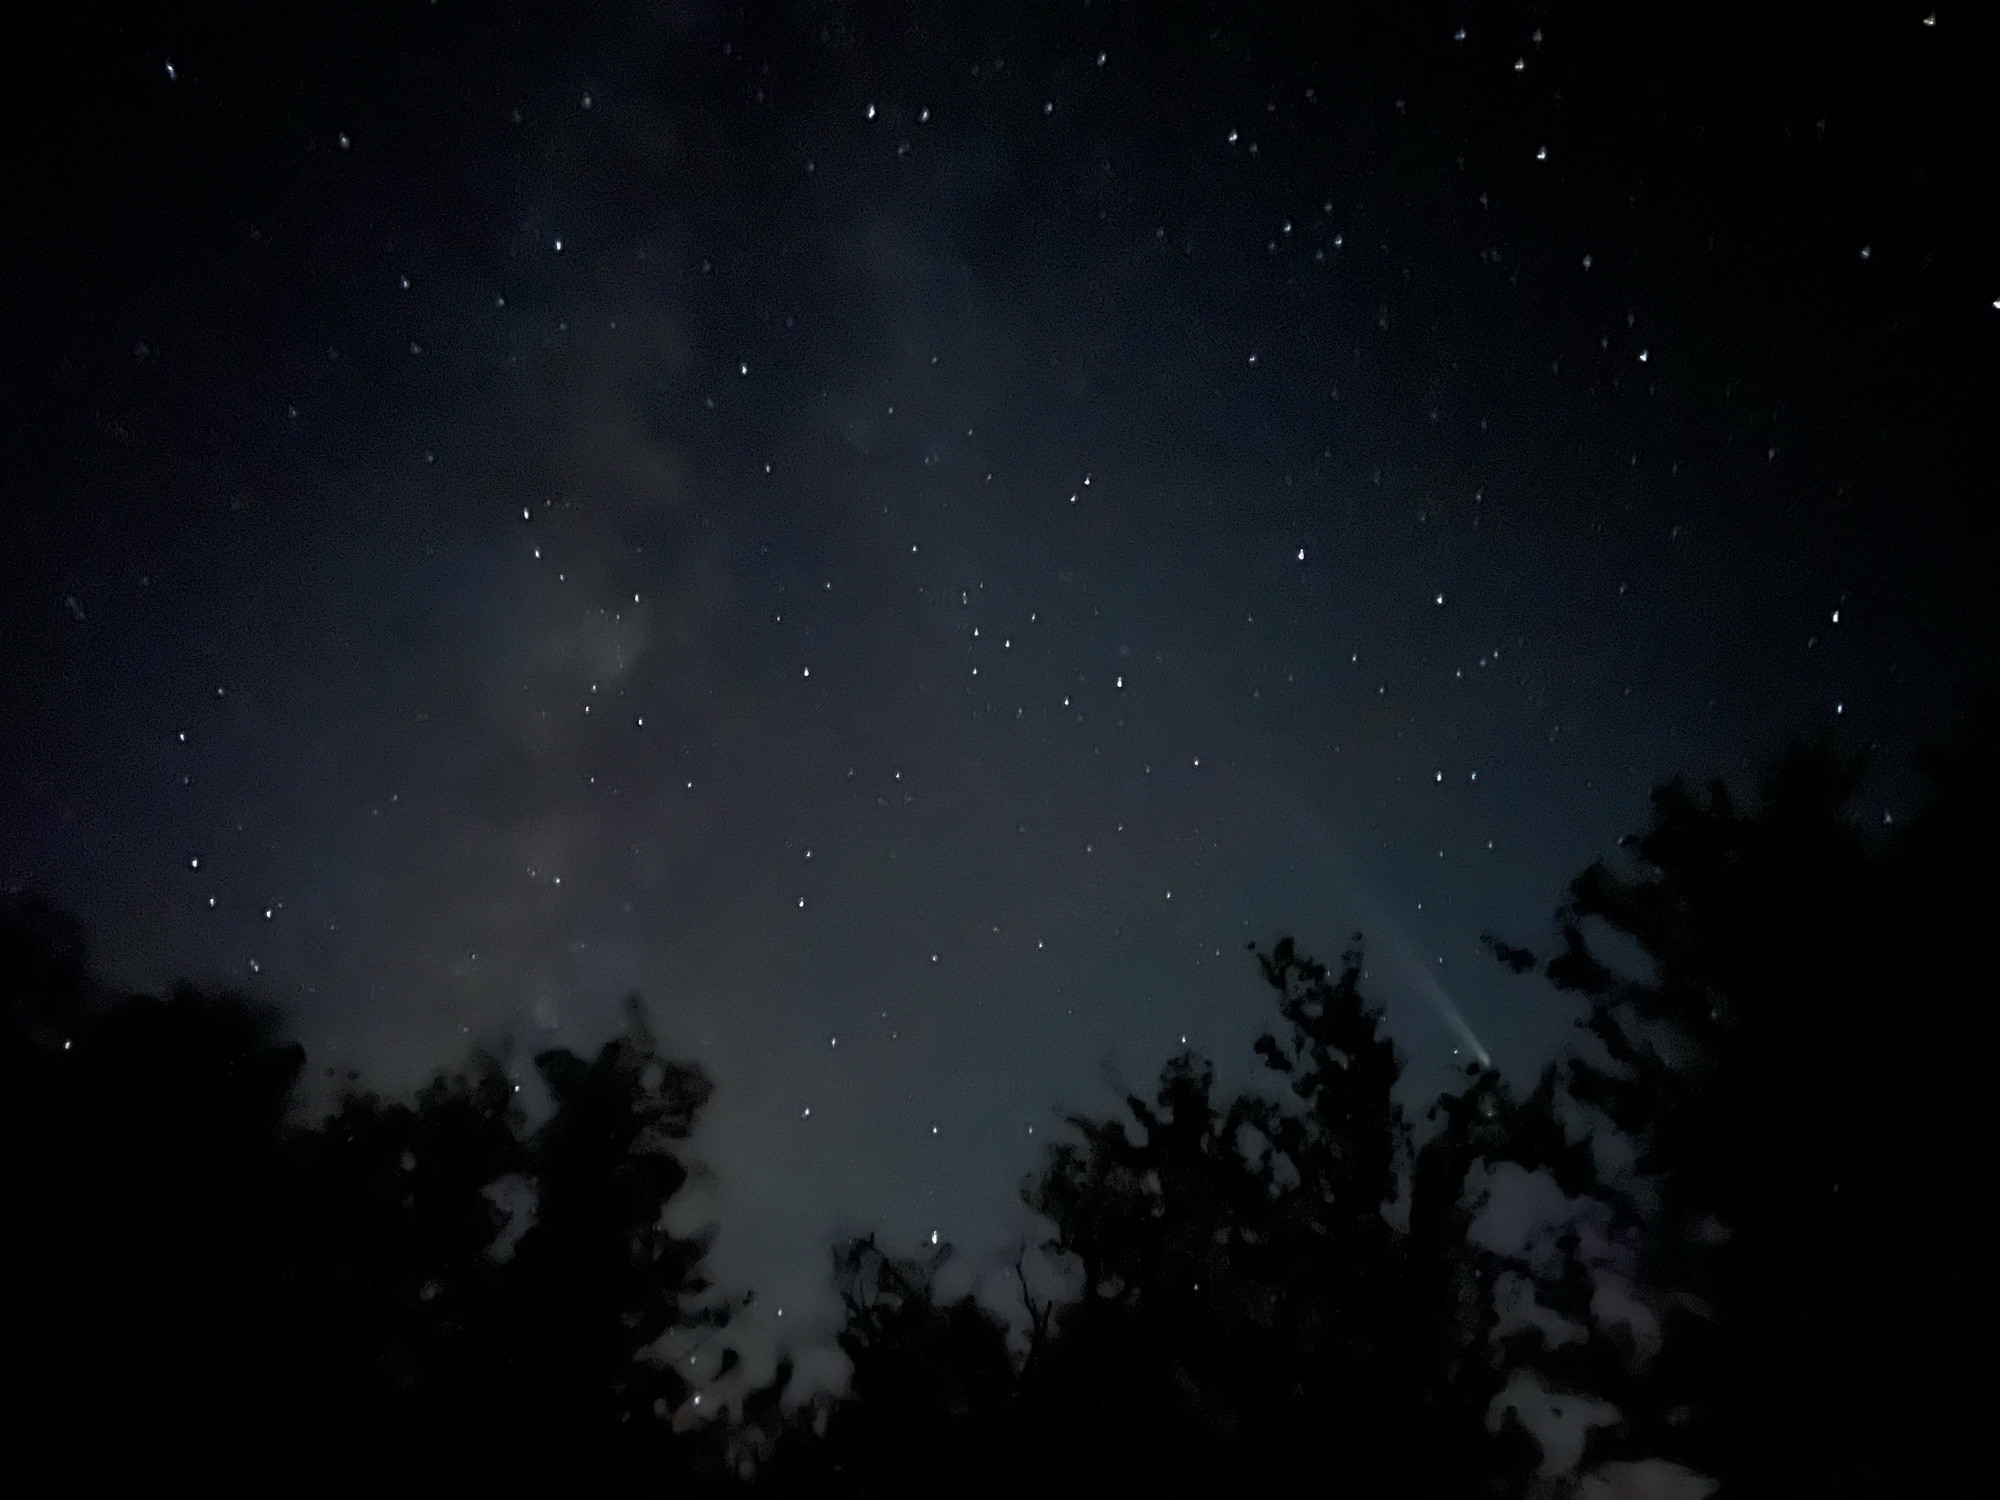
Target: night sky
911,534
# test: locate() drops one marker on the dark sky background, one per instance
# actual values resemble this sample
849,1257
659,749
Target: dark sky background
910,534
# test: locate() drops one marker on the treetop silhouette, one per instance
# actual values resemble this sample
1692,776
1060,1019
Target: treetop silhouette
1268,1287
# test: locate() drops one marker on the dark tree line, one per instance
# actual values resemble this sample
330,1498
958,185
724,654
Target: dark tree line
1268,1287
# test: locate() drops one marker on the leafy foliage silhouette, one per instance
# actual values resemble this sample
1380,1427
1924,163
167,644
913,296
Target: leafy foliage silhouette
217,1286
1803,1072
141,1135
1279,1286
1290,1313
1246,1312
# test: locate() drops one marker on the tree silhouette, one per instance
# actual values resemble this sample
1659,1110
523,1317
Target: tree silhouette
1815,1169
217,1287
1282,1286
599,1279
933,1399
376,1268
141,1136
1248,1311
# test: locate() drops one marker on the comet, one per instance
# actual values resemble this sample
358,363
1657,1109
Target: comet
1409,966
1403,964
